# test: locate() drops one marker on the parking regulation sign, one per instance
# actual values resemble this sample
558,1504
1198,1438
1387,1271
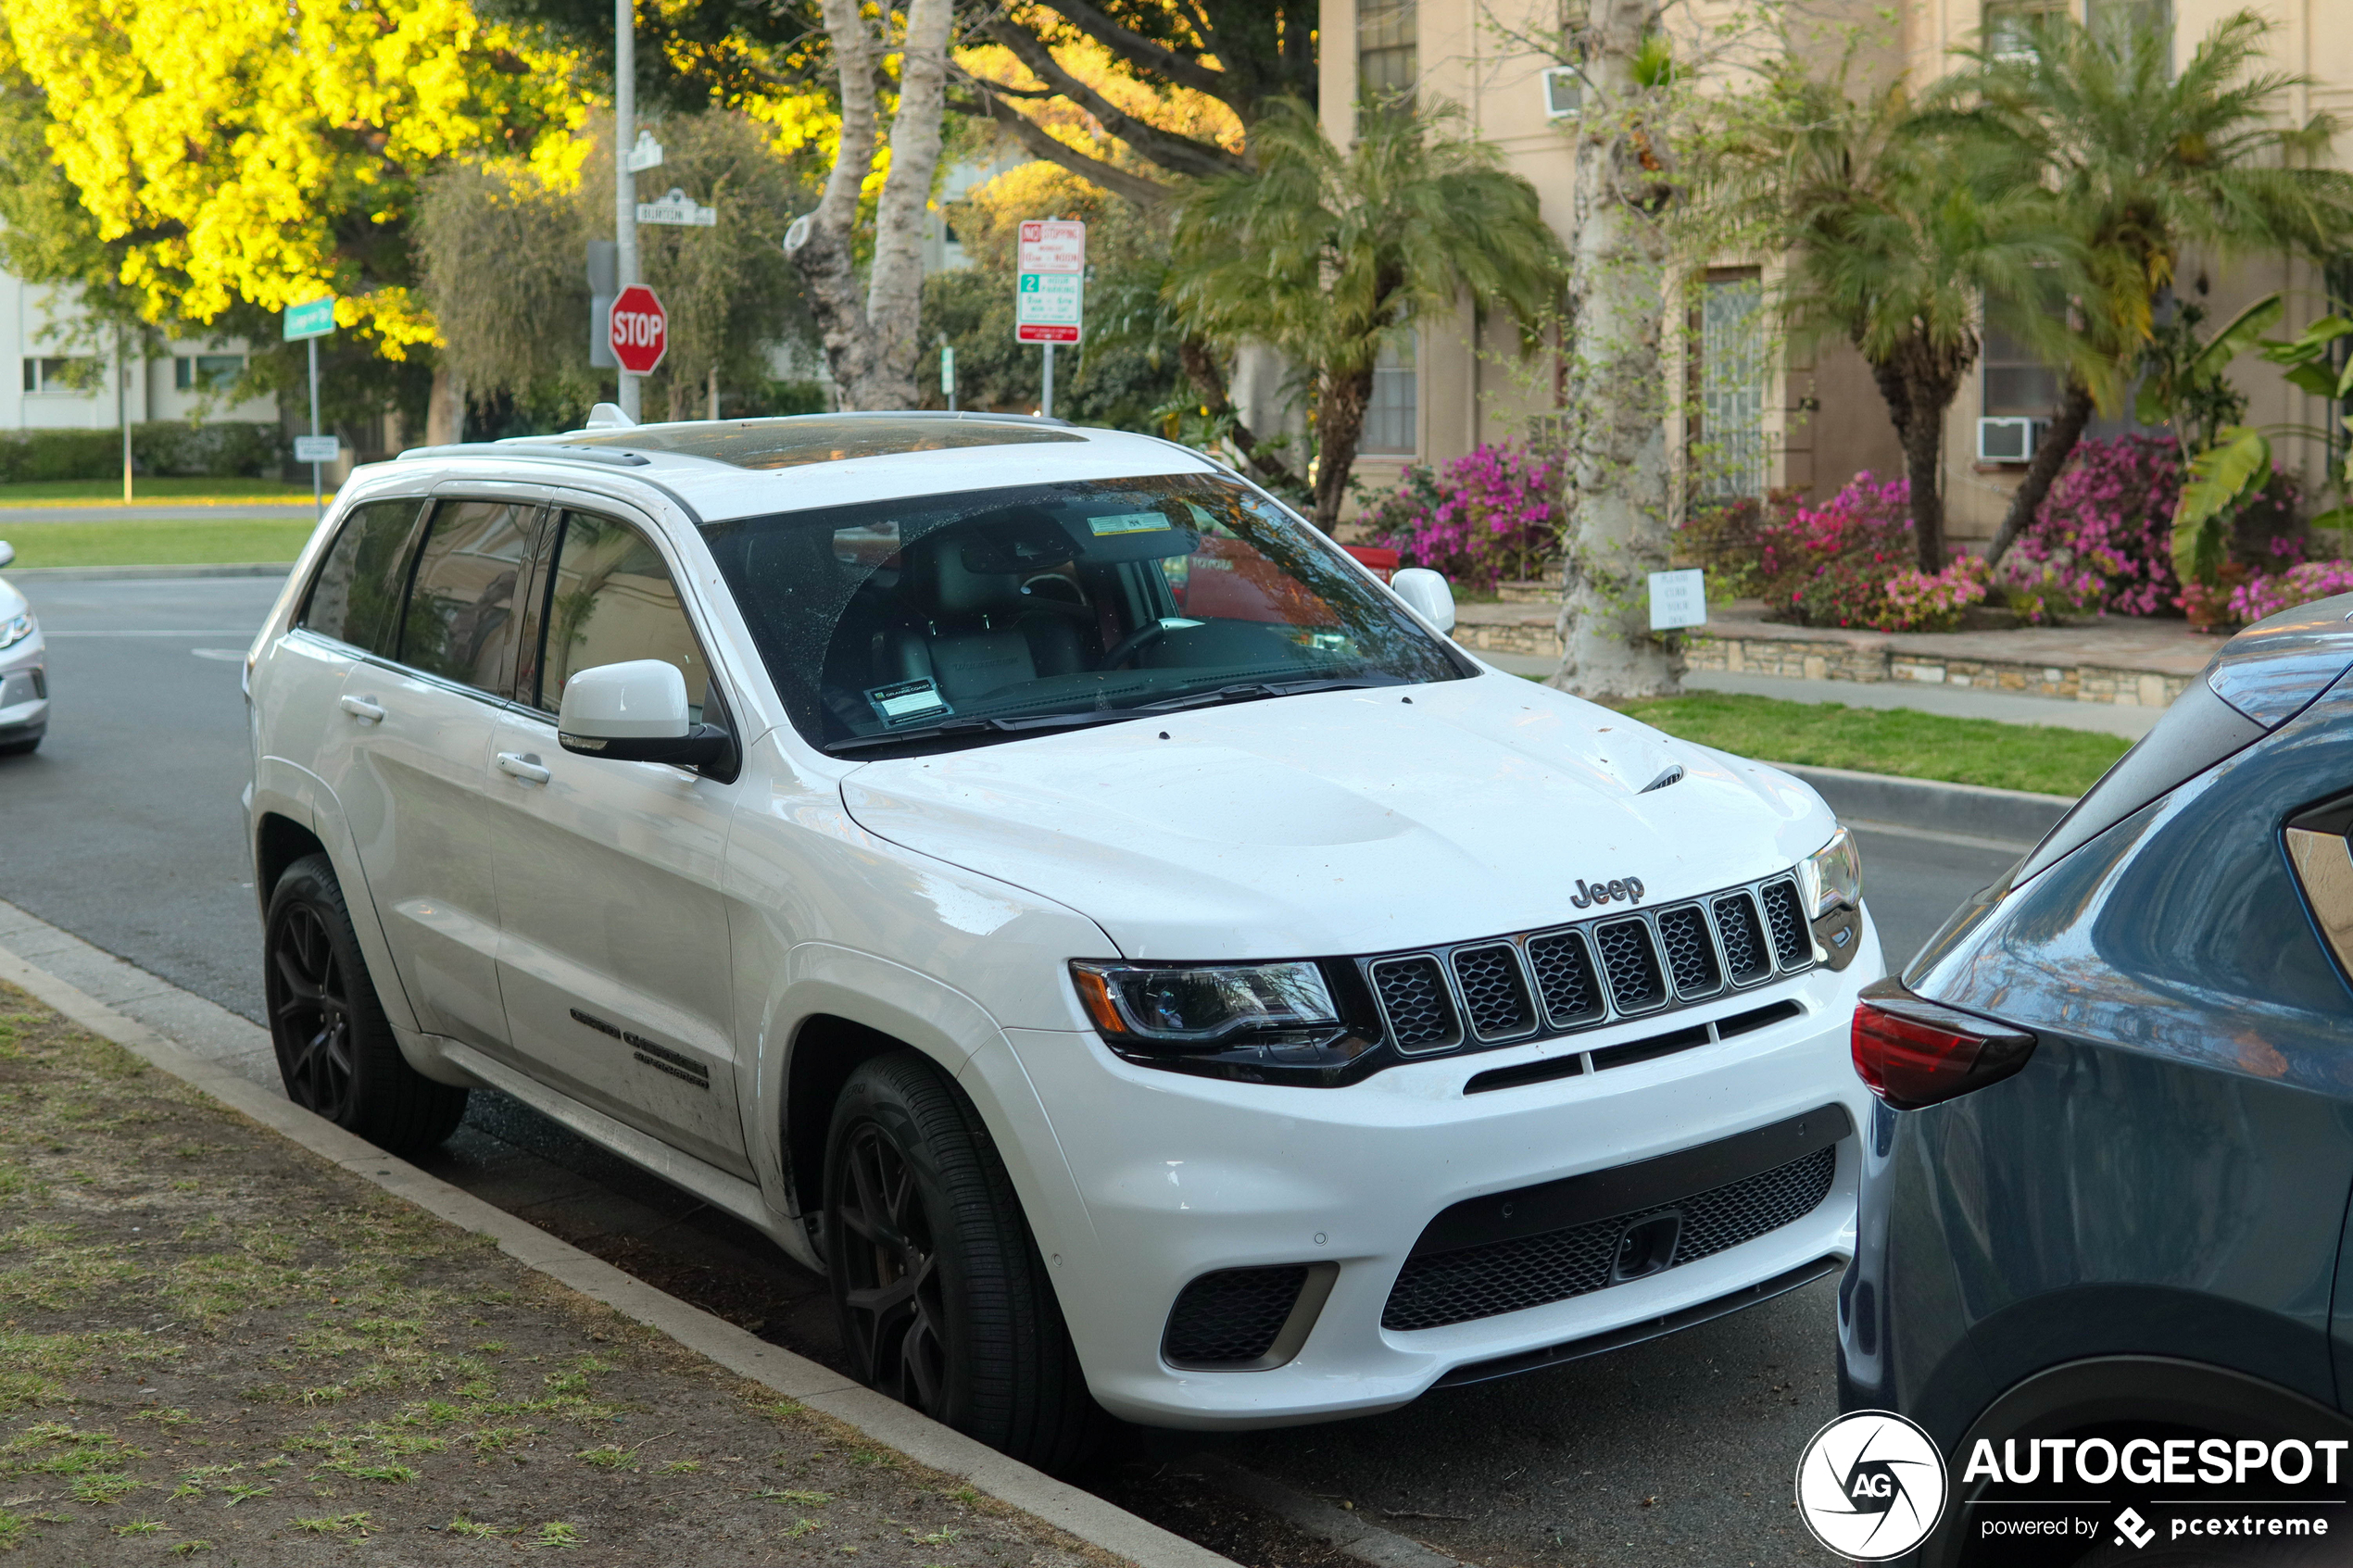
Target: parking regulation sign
1048,302
639,330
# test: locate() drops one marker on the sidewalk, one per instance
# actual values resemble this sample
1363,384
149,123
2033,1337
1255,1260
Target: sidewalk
2118,660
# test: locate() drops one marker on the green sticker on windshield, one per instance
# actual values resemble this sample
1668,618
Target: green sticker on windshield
1129,522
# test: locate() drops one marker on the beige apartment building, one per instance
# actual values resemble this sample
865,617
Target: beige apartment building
1764,416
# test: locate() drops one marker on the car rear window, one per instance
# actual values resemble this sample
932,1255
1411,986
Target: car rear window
356,597
822,438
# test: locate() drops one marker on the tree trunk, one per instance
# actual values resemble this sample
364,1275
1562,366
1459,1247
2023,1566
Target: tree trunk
1339,427
445,409
2058,445
1923,437
1200,366
1619,527
870,341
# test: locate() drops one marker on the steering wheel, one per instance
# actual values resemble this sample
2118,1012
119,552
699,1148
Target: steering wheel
1130,645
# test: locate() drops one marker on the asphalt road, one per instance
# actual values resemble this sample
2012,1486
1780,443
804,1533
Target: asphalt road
124,829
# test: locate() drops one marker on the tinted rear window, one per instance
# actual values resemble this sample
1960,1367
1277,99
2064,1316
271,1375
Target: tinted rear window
822,438
458,612
356,596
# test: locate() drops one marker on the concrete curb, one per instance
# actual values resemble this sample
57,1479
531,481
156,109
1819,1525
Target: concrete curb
2004,816
1066,1508
127,573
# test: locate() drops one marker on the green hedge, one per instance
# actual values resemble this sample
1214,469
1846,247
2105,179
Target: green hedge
168,448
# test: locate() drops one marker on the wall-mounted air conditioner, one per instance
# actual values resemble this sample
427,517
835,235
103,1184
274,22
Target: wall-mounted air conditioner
2010,440
1563,92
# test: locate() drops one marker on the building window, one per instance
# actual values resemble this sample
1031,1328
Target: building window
2007,23
1388,48
2017,383
202,372
1727,435
2118,20
75,377
1389,418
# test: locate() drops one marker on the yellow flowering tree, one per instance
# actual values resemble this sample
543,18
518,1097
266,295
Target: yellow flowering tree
259,153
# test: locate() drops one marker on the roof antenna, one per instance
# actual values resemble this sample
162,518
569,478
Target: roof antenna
607,416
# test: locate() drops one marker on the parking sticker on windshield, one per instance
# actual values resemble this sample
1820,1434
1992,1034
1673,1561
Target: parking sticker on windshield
902,702
1129,522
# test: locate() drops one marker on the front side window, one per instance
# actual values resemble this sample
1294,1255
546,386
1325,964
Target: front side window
990,615
610,600
356,596
459,611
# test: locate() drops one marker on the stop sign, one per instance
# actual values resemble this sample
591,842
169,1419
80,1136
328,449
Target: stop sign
639,330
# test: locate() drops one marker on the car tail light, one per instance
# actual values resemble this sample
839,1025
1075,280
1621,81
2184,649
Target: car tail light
1913,1053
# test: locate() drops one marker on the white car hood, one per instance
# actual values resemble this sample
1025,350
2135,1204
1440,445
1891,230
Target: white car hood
1344,822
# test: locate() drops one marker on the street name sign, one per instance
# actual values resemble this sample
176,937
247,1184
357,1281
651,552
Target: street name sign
312,317
639,330
678,209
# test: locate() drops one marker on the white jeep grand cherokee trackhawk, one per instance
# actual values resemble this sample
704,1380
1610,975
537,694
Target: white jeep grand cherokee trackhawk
1040,880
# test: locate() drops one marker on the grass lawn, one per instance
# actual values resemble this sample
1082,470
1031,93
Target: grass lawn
2041,757
154,544
50,490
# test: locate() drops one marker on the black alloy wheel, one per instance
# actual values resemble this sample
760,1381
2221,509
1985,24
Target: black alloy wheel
944,1301
336,1050
893,1317
310,1014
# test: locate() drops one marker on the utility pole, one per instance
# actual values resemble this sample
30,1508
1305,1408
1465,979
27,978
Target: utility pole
625,179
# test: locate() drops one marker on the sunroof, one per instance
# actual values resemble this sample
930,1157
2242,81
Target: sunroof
822,438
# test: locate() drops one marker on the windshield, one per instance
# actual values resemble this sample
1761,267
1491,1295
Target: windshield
963,619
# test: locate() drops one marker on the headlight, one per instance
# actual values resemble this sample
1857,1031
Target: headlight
1832,875
1204,1008
17,630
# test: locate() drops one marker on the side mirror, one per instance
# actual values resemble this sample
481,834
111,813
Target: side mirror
1427,592
8,552
637,713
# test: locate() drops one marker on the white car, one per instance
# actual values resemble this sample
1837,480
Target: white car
24,670
1039,880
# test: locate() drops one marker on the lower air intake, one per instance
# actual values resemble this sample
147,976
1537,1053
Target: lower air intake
1438,1288
1232,1317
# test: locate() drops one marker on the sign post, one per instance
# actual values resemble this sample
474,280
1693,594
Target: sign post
639,331
306,323
1050,298
948,371
625,181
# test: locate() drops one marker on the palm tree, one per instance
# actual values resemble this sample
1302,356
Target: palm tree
2145,164
1324,253
1892,238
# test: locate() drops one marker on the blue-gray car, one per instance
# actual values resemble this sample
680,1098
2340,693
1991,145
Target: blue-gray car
2102,1255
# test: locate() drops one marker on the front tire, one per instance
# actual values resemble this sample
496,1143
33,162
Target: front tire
943,1299
335,1050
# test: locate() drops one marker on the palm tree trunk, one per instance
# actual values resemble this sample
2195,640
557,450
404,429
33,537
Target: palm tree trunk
1924,469
1340,428
2058,445
1619,527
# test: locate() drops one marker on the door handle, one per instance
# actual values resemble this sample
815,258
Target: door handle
517,764
365,709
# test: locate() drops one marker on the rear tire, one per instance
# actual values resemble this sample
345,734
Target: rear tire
336,1053
944,1301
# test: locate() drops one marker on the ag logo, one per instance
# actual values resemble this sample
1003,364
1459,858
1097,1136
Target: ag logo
1870,1485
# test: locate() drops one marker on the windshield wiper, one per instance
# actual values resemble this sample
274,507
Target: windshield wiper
1254,691
954,728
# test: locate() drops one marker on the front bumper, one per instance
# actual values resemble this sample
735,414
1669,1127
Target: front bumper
1181,1176
24,690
